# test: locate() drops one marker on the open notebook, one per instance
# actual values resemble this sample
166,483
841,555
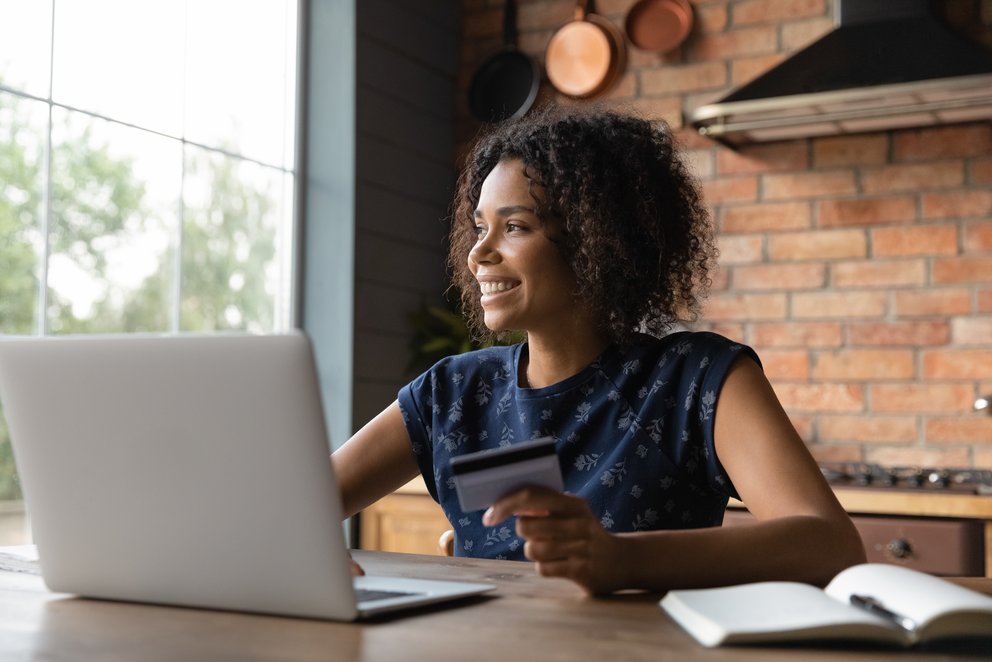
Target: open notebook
187,470
871,602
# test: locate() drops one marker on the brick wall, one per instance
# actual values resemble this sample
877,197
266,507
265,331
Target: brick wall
859,267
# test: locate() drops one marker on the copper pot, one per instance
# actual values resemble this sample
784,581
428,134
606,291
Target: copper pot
586,55
659,25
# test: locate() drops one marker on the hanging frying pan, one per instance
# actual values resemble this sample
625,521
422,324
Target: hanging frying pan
586,55
659,25
506,84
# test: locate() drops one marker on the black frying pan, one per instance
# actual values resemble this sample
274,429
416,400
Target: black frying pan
506,85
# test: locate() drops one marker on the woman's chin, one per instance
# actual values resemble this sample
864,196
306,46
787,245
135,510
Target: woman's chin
495,324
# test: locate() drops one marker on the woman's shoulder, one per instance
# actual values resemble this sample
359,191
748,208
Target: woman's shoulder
681,352
498,358
452,377
684,342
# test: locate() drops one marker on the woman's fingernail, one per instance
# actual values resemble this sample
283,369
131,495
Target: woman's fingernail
487,517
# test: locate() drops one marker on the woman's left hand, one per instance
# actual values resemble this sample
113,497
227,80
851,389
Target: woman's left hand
563,537
356,569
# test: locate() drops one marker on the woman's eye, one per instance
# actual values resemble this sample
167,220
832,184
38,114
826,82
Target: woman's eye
514,227
479,230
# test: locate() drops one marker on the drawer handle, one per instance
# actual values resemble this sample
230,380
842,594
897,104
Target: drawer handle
899,548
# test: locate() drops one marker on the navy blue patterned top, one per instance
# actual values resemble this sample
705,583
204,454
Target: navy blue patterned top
633,432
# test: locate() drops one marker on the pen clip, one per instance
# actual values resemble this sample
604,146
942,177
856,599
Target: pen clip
874,606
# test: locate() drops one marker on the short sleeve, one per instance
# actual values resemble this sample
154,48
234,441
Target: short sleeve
717,355
416,401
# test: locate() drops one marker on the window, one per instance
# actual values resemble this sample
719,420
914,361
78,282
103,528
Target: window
147,172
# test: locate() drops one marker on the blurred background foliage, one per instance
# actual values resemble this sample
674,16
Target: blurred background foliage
440,331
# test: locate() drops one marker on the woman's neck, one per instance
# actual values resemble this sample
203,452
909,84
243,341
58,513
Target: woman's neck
553,359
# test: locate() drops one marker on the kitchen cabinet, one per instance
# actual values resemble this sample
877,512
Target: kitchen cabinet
935,532
932,531
970,515
407,520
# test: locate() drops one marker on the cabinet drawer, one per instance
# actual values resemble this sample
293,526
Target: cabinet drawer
938,546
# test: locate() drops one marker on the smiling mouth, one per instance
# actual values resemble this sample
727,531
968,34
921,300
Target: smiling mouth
497,287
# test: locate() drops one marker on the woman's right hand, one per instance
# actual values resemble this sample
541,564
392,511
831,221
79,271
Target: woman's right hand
564,538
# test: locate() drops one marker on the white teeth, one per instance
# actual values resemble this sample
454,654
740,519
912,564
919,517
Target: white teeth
494,287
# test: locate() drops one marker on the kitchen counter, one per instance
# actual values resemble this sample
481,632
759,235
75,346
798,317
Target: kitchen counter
915,503
921,503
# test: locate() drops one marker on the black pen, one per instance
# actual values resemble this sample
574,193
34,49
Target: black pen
872,605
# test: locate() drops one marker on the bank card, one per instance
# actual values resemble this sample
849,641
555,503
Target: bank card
481,478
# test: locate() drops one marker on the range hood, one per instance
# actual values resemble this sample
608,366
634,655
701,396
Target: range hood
888,64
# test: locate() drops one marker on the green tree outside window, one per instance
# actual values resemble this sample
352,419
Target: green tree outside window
228,245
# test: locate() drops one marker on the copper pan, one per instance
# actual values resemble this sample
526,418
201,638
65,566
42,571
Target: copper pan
586,55
659,25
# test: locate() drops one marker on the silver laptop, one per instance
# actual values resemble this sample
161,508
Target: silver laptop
188,470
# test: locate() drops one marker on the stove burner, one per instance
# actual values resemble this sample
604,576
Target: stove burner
939,478
861,474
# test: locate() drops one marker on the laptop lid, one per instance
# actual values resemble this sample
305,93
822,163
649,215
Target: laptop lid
186,470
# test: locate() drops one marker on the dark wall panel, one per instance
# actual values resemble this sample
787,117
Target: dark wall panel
406,63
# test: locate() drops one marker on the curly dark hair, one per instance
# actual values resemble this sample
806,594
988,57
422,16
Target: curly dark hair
634,230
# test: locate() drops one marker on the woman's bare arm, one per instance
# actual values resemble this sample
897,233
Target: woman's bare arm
375,461
806,533
801,534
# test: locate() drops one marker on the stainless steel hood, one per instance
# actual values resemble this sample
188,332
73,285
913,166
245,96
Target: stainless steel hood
888,64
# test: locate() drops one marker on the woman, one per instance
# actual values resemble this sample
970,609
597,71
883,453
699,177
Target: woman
585,230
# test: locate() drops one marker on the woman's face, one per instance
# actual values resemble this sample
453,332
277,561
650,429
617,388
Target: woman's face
526,284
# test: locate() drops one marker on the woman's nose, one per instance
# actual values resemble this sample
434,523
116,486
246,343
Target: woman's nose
484,251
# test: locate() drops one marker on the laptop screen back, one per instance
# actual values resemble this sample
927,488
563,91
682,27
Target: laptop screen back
188,470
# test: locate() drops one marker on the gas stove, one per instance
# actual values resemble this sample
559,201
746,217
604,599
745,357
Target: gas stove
863,475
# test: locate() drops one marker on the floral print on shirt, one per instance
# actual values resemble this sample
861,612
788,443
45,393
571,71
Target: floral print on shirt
633,431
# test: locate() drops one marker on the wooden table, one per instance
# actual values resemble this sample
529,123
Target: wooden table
528,618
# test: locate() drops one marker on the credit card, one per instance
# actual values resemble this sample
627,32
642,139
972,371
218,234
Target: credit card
481,478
